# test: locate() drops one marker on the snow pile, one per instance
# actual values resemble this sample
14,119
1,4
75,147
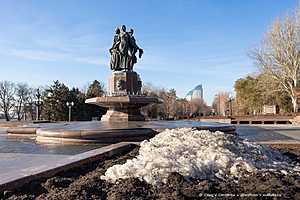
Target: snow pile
194,153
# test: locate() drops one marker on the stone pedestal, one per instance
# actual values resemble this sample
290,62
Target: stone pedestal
122,115
124,83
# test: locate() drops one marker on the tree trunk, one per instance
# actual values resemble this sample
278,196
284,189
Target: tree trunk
6,116
19,114
295,105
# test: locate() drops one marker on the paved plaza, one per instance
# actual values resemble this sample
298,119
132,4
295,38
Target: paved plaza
22,156
269,133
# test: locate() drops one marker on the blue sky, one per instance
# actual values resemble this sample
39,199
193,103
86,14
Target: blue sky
186,42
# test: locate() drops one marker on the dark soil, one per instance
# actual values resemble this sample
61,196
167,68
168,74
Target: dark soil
85,183
290,150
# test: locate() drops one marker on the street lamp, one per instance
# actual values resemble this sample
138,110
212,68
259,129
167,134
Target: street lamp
50,95
70,105
219,99
38,103
230,105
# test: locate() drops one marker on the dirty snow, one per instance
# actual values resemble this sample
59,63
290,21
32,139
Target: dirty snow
199,154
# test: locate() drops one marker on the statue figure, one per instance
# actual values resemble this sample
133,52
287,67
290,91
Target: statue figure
124,47
115,55
133,48
123,50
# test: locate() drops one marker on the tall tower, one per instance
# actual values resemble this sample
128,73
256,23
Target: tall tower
196,93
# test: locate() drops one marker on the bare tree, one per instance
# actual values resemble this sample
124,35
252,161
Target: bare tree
22,97
169,102
182,107
198,107
150,90
30,104
152,110
279,55
7,92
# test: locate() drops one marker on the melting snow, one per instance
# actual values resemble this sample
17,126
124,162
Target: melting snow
201,154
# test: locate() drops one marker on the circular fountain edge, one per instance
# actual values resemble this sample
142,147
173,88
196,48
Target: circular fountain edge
100,132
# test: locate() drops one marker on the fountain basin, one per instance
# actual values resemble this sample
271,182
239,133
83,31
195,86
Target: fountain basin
123,108
93,136
105,132
22,131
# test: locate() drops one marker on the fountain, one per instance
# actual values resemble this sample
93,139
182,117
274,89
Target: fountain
124,98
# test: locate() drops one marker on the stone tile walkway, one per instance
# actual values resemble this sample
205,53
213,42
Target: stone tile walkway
269,133
20,164
17,169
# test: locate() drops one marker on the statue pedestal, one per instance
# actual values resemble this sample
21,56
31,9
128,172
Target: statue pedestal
124,83
118,115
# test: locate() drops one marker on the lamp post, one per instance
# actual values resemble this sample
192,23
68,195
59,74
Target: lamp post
230,105
219,99
38,103
70,105
50,95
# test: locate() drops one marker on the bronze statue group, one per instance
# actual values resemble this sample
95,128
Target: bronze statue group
123,50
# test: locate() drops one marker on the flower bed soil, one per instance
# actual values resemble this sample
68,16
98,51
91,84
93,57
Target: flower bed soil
85,183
